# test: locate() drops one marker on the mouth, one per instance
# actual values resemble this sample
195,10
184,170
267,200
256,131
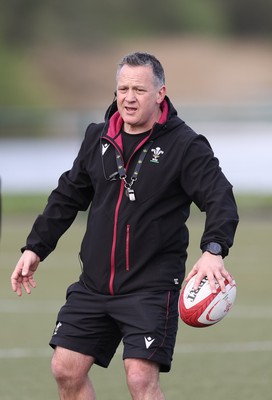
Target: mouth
130,110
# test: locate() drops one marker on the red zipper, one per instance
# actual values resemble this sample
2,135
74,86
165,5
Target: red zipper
127,247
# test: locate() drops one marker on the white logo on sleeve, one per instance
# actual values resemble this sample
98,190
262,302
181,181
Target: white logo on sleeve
57,328
148,341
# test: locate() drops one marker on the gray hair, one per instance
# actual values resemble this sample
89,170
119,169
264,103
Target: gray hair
141,59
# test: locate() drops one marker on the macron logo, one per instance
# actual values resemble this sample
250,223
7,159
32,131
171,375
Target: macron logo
105,148
148,341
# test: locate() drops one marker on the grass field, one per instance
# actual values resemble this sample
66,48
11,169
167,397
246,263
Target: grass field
231,360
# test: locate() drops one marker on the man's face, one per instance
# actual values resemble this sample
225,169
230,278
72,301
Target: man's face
138,98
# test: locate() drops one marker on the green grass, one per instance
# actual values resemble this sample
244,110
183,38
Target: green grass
32,202
20,82
21,204
231,360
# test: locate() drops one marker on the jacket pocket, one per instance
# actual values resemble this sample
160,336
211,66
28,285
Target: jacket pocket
127,247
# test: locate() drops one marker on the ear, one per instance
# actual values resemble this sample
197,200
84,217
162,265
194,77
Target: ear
161,94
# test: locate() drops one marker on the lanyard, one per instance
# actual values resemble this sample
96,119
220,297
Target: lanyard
122,172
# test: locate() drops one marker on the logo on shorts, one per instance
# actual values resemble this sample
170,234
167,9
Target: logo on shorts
148,341
57,328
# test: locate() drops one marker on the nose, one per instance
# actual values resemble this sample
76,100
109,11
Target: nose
130,96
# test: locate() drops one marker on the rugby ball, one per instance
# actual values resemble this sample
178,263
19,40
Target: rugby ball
202,308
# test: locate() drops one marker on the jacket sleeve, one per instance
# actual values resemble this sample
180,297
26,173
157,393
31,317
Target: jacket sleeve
207,186
73,193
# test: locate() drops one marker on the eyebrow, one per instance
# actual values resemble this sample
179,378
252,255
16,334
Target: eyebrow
124,86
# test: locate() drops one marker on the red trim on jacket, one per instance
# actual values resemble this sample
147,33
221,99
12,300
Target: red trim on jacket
114,239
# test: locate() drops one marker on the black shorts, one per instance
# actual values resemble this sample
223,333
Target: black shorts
94,324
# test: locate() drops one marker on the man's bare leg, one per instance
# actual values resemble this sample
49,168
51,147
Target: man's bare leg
143,379
70,369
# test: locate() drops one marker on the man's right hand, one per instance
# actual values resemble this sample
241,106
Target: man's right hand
24,271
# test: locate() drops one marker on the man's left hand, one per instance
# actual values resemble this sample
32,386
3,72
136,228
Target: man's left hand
213,267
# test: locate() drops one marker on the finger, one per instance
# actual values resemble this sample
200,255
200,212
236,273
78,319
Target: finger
26,285
14,284
32,282
212,281
25,270
191,274
221,282
222,276
14,281
16,276
17,288
229,278
198,280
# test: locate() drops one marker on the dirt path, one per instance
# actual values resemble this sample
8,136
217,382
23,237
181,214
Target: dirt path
197,70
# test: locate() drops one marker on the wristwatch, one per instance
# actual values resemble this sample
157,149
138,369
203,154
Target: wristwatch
213,248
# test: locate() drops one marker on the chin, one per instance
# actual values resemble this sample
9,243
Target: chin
130,121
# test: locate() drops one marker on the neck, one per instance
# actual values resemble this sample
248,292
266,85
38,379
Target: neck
135,129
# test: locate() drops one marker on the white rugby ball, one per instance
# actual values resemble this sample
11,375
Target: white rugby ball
202,308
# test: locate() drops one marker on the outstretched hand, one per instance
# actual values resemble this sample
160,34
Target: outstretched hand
23,273
213,267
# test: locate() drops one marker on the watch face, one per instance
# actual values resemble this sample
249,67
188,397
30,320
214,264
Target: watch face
214,248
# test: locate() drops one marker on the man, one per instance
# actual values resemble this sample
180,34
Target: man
140,171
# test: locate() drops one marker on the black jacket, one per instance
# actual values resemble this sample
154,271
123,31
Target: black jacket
141,244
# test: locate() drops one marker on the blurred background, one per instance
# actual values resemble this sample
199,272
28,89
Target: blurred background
58,61
57,74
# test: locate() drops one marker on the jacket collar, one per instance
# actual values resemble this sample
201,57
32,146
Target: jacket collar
115,121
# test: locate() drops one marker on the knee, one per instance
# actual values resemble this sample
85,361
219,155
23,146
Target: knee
141,377
60,368
67,366
137,382
136,379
